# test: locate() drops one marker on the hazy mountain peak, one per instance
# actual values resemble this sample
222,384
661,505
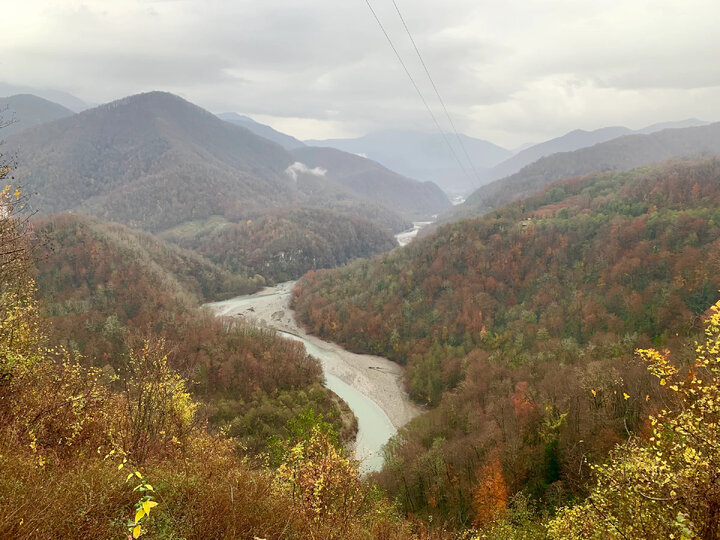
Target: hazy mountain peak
676,124
154,160
65,99
157,102
426,156
27,110
286,141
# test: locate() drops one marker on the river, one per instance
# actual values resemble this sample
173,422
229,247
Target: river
370,385
405,237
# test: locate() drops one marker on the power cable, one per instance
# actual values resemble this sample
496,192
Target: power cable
417,89
437,93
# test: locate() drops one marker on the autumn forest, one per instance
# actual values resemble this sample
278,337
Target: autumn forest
558,336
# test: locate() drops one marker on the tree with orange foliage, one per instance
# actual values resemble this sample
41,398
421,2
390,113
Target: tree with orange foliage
490,498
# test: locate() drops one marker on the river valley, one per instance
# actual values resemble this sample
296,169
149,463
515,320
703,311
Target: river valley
370,385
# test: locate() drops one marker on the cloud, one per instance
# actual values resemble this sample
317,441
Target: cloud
300,168
331,66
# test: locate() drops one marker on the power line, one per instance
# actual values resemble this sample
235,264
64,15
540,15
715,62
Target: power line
417,89
437,93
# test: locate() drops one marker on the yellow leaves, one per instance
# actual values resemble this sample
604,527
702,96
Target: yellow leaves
594,393
678,463
143,506
320,480
626,396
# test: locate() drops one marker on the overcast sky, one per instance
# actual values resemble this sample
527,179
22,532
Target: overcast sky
510,71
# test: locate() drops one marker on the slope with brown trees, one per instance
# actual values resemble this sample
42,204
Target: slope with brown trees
520,326
283,244
154,160
106,290
87,455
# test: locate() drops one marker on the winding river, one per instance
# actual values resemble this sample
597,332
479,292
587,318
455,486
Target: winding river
370,385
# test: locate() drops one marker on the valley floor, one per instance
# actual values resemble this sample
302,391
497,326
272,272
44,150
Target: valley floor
376,377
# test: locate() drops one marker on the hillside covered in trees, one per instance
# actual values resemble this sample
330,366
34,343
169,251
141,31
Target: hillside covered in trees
154,160
94,454
519,328
619,154
106,290
284,244
125,411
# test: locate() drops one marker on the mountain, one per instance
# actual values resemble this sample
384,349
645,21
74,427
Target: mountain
64,99
426,156
105,288
283,244
690,122
150,161
520,329
373,181
286,141
575,140
568,142
154,161
26,110
618,154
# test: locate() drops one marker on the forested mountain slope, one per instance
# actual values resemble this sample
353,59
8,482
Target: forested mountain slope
531,314
283,244
104,280
373,181
426,156
106,289
153,161
618,154
26,110
149,161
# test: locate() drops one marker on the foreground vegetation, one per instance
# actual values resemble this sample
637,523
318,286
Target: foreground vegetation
97,453
132,414
520,330
106,289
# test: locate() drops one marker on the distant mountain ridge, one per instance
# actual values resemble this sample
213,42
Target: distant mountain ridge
65,99
155,160
426,156
576,139
619,154
286,141
573,140
26,110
